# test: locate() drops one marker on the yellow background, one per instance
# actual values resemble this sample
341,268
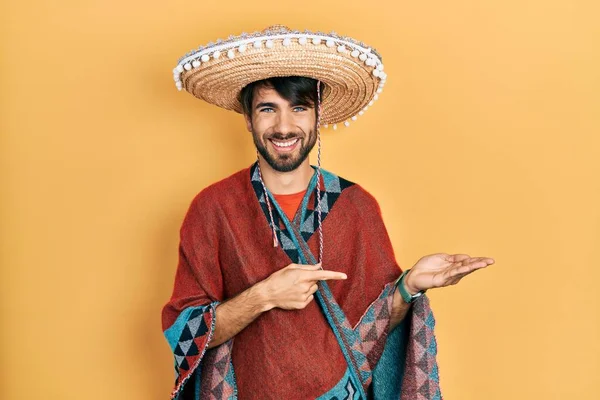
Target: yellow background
485,141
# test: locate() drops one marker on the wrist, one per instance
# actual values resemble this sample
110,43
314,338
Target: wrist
405,291
260,294
408,284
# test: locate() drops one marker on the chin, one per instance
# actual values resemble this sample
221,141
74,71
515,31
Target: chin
287,166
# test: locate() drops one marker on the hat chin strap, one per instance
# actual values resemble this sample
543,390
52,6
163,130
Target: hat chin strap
320,109
318,210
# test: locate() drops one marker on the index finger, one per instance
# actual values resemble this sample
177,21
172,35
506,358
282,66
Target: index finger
324,275
308,267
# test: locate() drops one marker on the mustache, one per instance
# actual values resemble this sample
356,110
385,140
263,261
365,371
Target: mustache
280,136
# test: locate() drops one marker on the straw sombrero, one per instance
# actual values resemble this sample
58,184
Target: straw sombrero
351,71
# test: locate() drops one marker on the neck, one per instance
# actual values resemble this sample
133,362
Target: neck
286,182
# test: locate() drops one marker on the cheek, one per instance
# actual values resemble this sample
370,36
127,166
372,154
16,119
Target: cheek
309,124
256,125
259,130
306,121
261,123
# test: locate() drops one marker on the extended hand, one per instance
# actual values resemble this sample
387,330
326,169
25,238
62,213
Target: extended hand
441,269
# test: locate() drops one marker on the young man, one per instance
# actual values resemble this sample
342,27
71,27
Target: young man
287,286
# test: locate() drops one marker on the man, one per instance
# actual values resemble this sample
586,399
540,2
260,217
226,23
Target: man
287,286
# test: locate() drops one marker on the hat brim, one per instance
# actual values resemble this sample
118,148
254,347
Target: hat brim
350,84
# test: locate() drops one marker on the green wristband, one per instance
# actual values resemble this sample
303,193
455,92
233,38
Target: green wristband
407,297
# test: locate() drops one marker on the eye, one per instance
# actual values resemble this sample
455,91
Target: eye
266,109
299,108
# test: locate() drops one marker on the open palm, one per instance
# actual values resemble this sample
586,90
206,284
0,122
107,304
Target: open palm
441,269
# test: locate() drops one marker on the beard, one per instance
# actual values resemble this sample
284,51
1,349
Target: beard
286,162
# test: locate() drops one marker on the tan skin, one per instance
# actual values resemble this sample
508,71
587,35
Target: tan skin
293,287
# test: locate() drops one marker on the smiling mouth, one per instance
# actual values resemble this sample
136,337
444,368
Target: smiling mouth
285,145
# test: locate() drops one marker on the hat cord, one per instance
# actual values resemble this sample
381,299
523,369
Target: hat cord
319,108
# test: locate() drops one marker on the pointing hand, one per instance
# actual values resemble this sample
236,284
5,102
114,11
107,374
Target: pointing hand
293,287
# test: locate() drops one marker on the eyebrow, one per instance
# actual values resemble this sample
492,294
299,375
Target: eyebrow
273,105
266,104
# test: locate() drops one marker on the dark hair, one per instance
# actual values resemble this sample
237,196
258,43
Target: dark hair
298,90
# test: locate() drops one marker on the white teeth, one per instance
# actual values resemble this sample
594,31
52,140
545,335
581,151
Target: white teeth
285,144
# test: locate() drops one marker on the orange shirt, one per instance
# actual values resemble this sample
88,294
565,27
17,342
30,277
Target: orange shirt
289,203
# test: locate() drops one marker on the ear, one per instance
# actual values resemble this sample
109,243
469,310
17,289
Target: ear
248,122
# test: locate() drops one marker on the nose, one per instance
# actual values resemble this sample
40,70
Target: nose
284,123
